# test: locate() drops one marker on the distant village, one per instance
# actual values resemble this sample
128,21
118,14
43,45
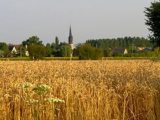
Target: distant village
91,49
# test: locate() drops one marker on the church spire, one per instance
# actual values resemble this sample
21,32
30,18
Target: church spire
70,38
70,31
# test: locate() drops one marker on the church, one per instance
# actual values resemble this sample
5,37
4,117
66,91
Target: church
70,39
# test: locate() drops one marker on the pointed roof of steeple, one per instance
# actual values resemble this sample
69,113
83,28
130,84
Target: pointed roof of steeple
70,38
70,31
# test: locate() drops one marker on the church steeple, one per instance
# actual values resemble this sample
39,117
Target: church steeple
70,38
70,31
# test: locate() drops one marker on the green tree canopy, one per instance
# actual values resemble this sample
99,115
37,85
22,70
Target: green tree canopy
49,50
32,40
3,46
35,47
153,21
107,45
65,50
3,49
36,51
123,42
57,41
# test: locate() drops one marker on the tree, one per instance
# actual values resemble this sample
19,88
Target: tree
48,50
55,47
36,51
35,47
3,49
65,50
86,52
23,51
57,41
153,21
32,40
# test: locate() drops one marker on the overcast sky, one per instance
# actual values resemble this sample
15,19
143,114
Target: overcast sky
20,19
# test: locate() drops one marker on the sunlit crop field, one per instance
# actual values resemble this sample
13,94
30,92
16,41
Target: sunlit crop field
80,90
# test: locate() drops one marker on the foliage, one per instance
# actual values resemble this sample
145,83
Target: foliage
130,43
55,46
119,42
153,17
49,50
35,48
86,52
65,50
3,46
61,58
157,52
36,95
56,41
3,49
32,41
149,54
36,51
41,89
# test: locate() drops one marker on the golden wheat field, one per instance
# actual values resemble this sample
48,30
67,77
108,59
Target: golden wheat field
80,90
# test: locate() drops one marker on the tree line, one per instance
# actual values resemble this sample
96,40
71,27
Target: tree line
125,42
129,43
91,49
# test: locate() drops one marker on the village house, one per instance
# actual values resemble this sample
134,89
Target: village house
119,51
143,49
16,50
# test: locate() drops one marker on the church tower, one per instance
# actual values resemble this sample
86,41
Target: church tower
70,39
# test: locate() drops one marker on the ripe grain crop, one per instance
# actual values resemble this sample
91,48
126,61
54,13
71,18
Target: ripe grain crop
80,90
